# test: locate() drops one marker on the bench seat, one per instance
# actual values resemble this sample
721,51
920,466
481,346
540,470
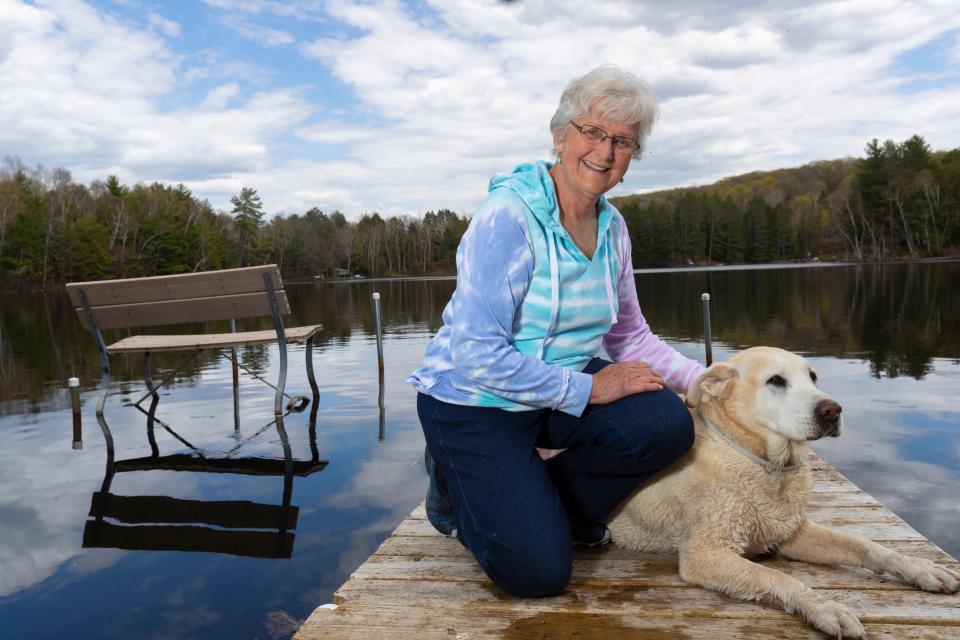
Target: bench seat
144,343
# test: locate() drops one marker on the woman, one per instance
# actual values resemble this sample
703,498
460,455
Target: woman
544,279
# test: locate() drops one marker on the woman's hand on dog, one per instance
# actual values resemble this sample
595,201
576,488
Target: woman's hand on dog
622,379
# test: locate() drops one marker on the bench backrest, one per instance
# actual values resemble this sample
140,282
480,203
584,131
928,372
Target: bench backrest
178,299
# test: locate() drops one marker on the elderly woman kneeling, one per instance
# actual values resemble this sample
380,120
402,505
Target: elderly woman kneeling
544,280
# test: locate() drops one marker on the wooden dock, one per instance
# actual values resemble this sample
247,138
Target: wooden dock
421,585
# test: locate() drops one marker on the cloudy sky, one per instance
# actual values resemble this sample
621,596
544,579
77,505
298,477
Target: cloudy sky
404,107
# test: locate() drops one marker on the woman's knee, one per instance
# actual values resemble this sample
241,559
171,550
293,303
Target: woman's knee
662,427
676,425
527,581
535,567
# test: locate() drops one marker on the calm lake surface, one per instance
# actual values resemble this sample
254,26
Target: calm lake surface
884,338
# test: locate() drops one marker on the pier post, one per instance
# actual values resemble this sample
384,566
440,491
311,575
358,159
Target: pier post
708,338
376,314
236,379
74,385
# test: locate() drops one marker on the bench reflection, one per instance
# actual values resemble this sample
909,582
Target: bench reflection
164,523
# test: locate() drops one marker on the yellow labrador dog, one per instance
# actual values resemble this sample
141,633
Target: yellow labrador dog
743,488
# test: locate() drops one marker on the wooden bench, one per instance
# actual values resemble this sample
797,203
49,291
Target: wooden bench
228,294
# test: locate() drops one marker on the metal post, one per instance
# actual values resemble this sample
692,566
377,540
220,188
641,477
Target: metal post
708,338
383,421
376,313
74,385
236,379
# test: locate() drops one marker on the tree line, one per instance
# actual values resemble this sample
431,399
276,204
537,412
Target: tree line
54,230
901,200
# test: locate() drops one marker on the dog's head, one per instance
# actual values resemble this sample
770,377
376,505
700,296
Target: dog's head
769,388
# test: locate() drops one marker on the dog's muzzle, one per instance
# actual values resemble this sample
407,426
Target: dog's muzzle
828,418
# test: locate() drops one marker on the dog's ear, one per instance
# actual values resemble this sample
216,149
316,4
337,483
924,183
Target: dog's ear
710,383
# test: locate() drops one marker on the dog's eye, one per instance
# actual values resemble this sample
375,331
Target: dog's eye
813,376
777,381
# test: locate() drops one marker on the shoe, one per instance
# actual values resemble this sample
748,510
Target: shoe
439,509
585,533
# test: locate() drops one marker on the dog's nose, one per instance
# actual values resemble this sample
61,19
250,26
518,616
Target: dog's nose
828,418
828,410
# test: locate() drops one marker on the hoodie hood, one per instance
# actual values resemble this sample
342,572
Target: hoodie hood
534,185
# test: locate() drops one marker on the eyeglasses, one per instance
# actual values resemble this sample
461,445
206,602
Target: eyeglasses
596,135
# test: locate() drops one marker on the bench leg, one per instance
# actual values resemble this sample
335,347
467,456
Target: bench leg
281,342
105,381
287,471
101,347
151,434
282,382
148,373
310,376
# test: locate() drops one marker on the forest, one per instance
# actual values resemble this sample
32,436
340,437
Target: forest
899,201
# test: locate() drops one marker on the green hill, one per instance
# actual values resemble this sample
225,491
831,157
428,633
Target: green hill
899,201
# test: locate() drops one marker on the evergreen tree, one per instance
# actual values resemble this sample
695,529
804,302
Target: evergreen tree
248,213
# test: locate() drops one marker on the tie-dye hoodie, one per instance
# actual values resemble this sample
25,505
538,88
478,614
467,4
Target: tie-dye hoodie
530,309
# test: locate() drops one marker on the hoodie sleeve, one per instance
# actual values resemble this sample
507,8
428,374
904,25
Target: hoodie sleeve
495,263
631,338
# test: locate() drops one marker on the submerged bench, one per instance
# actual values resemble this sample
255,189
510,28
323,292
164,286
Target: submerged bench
228,294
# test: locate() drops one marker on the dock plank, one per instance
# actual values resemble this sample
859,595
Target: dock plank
364,623
419,584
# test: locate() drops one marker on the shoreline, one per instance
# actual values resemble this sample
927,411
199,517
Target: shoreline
21,287
671,269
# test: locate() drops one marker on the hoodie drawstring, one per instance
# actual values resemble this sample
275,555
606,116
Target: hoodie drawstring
554,290
609,283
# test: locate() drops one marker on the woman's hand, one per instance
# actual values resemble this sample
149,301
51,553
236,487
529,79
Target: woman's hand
622,379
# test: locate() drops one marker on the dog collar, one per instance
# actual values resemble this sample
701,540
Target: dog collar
769,466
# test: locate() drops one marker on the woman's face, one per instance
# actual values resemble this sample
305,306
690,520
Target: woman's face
588,168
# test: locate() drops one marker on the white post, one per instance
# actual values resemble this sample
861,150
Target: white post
74,386
708,338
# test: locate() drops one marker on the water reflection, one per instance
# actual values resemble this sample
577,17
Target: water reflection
898,317
234,526
884,338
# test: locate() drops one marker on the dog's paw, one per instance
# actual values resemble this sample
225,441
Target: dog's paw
928,576
834,619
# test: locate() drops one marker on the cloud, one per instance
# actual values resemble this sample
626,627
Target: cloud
403,107
98,110
734,99
168,27
300,9
260,34
218,97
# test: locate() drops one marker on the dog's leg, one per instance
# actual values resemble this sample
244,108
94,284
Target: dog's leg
816,543
722,569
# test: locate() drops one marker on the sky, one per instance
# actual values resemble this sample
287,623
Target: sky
406,107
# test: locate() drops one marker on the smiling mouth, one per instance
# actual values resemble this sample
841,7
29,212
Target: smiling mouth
595,167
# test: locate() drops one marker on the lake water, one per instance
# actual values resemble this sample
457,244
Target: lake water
884,338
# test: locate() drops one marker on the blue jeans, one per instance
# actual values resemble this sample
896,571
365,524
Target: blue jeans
513,509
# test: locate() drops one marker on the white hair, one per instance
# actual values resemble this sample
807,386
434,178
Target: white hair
615,95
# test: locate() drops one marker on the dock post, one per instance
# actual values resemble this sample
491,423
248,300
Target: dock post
236,379
708,338
376,313
383,418
74,385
